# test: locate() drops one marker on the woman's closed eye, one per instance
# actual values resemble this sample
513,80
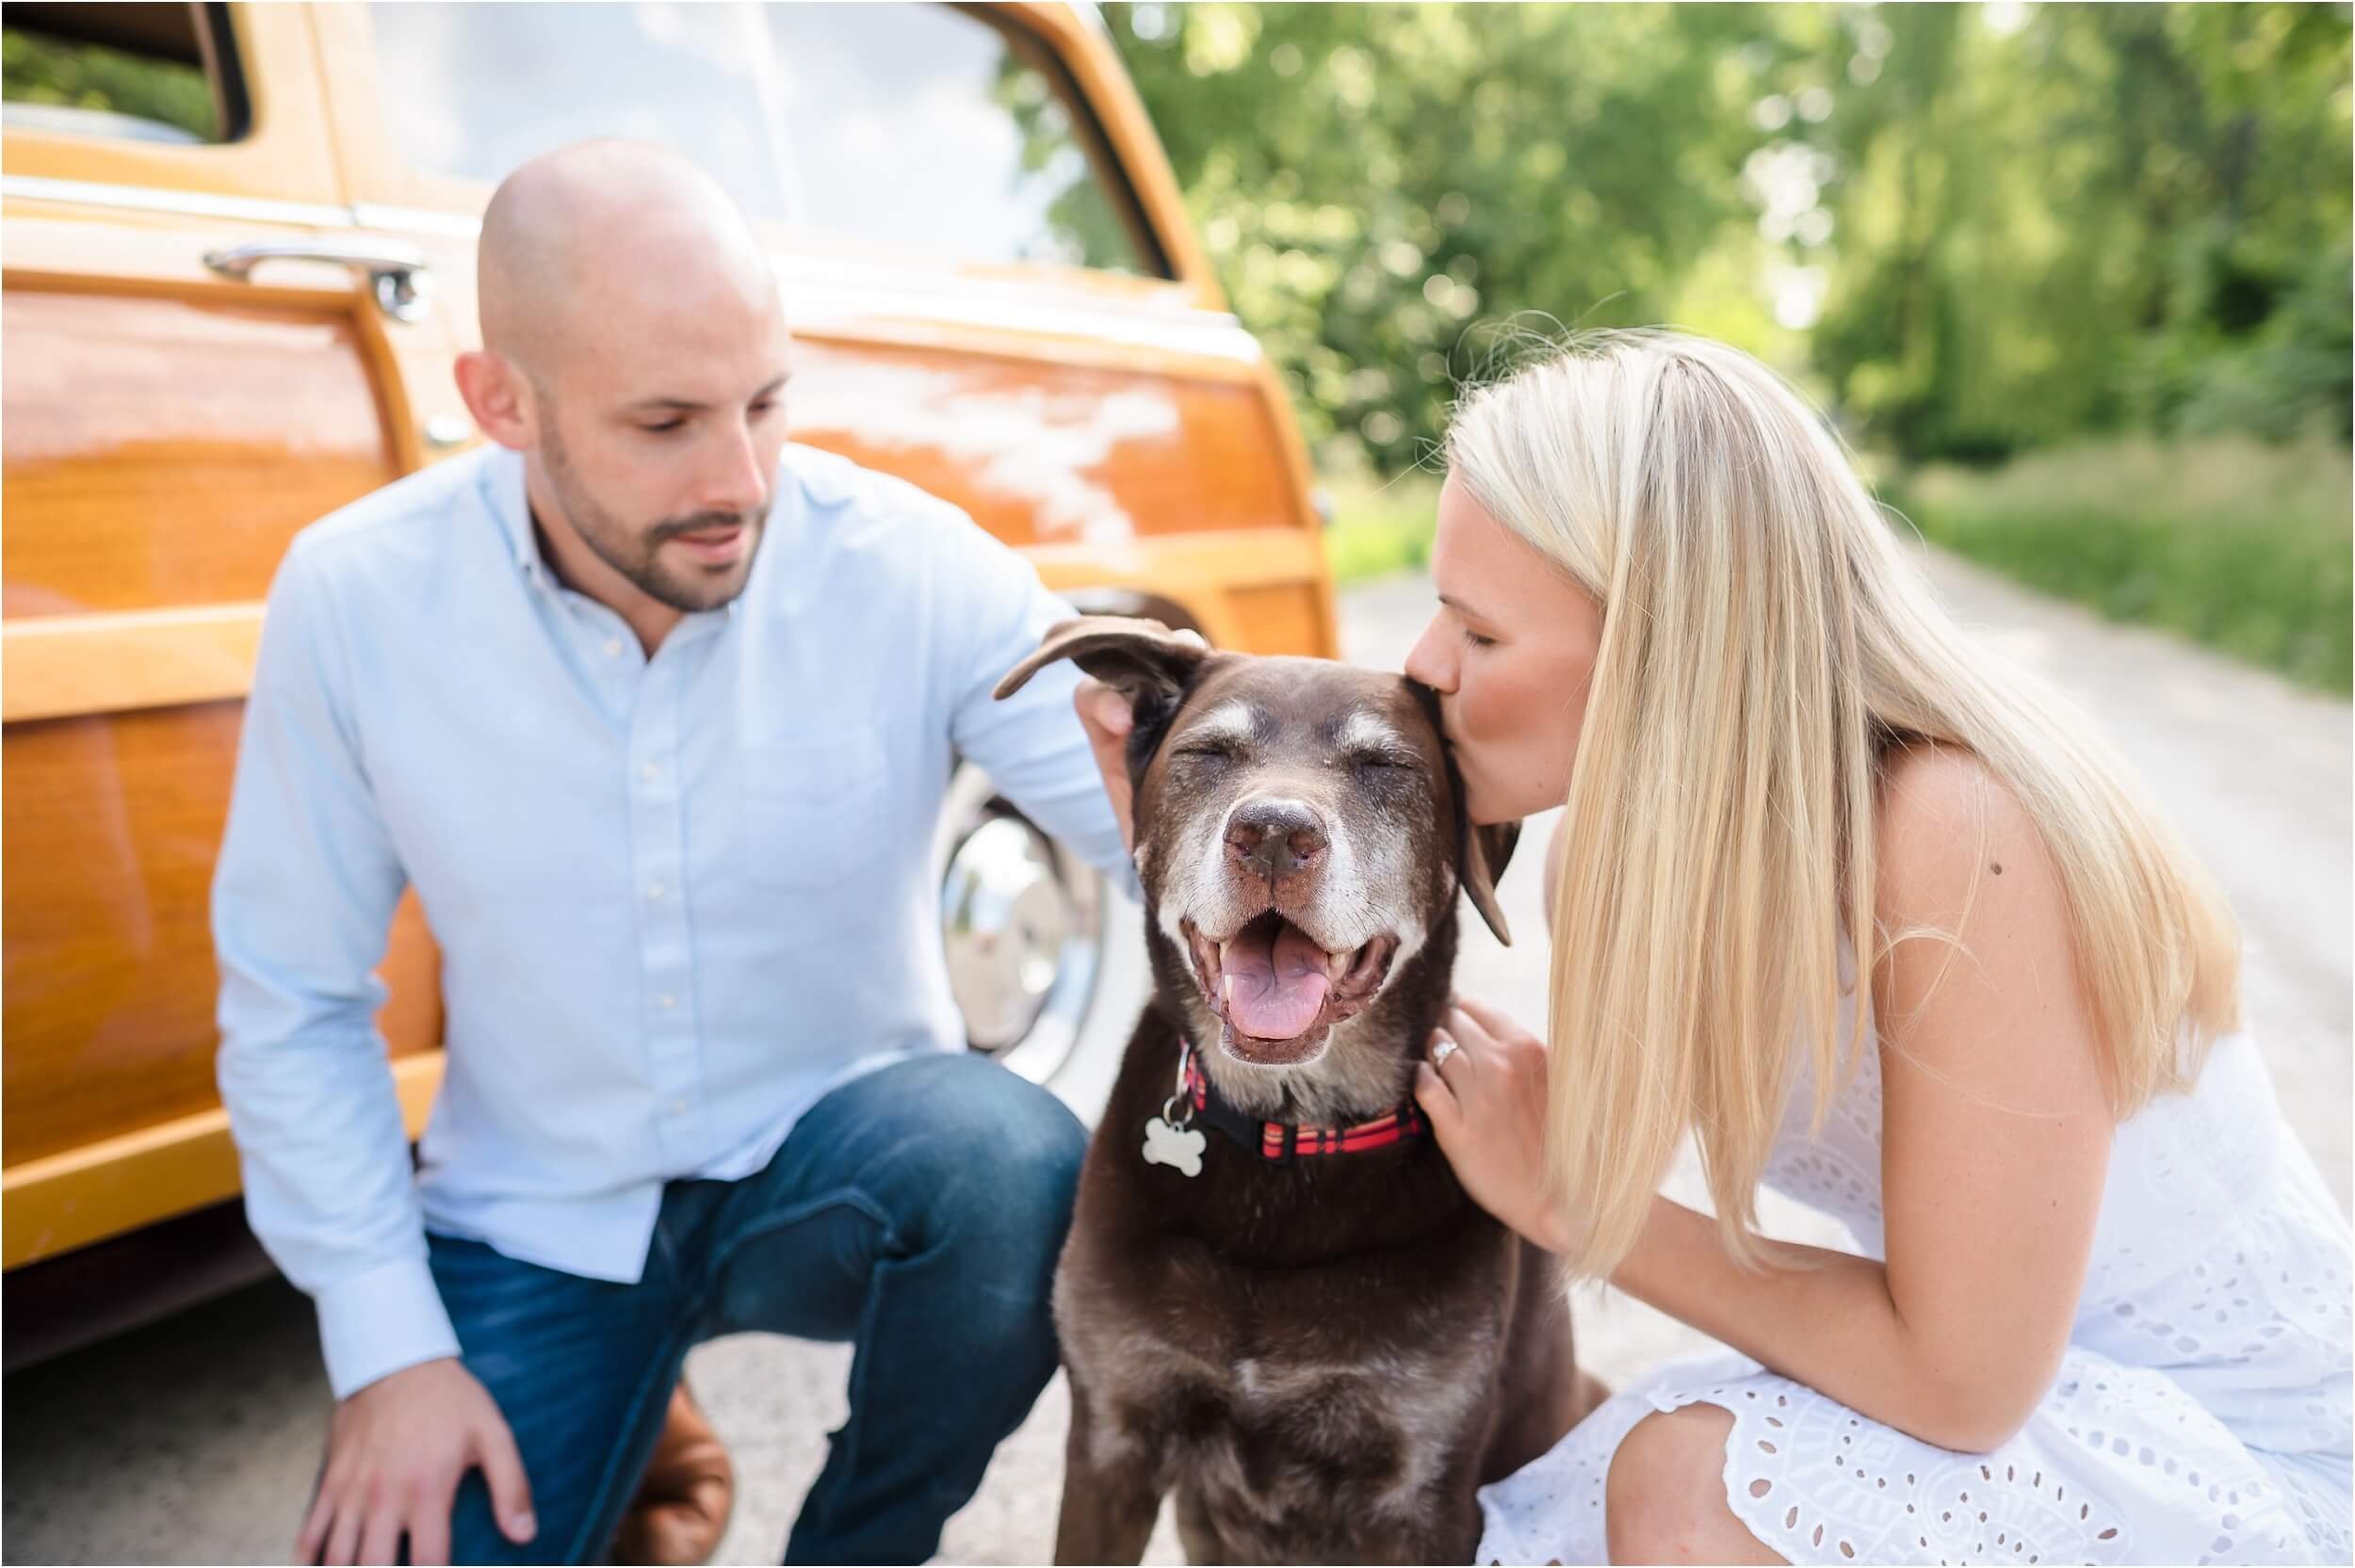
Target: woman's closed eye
1477,641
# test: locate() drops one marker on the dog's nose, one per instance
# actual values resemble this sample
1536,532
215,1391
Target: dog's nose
1274,838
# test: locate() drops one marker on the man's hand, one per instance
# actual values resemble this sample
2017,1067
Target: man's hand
1107,717
396,1453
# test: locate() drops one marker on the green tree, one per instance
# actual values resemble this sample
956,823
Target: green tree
1382,184
2103,216
1976,228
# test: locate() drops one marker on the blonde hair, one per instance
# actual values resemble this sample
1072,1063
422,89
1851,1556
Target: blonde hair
1766,643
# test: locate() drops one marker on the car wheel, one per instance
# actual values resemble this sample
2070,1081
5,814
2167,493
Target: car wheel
1045,959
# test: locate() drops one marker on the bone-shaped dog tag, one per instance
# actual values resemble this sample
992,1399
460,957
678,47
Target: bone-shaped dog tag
1180,1147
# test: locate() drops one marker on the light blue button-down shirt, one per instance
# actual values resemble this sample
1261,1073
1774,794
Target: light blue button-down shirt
678,897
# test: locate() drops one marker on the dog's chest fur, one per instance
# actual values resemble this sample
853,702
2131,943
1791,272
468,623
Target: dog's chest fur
1338,1403
1278,1452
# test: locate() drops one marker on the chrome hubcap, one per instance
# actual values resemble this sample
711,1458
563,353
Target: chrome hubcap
1018,926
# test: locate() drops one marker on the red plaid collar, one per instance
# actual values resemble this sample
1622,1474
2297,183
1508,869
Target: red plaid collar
1279,1141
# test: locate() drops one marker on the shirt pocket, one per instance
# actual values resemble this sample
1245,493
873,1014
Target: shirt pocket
815,809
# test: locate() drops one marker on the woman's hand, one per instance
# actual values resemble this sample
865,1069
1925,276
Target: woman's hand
1486,1102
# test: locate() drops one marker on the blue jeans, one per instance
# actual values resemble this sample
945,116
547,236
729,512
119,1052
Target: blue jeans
917,1212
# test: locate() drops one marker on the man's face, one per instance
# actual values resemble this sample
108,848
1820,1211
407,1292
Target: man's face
660,436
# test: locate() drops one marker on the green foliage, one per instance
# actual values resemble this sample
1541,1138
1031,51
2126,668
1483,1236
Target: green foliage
2236,543
1979,230
2040,233
35,69
1379,529
1374,180
2104,218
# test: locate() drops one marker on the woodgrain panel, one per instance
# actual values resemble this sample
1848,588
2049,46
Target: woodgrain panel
111,828
95,1191
159,451
1045,452
59,665
1285,619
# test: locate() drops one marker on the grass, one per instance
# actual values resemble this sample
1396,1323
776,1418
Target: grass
2239,545
1379,529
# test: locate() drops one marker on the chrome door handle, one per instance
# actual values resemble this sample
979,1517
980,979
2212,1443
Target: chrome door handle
397,273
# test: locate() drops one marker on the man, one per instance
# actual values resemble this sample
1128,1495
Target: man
665,786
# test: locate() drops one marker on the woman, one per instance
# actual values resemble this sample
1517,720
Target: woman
2100,1307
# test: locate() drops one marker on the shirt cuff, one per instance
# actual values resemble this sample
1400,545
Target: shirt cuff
374,1324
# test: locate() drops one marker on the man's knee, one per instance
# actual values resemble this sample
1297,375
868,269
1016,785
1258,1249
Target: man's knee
1664,1500
963,1163
1006,1161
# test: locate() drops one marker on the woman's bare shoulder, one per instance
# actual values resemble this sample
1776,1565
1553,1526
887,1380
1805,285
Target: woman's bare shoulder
1945,824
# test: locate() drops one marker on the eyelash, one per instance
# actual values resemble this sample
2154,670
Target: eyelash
1478,641
760,411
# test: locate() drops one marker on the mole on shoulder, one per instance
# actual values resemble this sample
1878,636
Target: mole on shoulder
1999,867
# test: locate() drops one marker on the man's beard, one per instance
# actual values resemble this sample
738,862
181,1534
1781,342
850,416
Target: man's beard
638,556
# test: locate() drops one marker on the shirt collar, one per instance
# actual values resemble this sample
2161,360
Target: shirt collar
504,493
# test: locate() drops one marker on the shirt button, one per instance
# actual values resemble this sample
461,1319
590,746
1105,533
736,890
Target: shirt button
612,647
668,1001
654,890
650,773
678,1108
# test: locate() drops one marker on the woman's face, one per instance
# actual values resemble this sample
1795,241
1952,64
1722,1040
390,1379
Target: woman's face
1509,652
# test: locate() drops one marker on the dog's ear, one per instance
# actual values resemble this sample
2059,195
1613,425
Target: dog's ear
1143,660
1486,851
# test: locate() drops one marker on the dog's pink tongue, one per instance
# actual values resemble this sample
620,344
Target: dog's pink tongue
1279,985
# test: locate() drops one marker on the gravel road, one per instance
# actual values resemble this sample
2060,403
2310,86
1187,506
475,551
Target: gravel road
195,1440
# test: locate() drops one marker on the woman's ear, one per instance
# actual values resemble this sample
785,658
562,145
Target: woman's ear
1487,848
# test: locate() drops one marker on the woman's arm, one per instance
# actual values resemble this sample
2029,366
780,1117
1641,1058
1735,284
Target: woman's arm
1995,1138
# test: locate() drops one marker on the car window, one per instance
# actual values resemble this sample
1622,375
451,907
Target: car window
161,74
920,127
925,126
474,89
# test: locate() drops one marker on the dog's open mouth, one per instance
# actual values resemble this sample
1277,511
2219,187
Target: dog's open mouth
1278,993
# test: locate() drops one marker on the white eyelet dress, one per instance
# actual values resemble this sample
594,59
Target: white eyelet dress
2201,1413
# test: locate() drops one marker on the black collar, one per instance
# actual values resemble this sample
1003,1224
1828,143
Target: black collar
1280,1142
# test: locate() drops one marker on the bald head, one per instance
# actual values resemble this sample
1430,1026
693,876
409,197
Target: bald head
593,239
635,352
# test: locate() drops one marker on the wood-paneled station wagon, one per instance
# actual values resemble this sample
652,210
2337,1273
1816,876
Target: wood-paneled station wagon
238,249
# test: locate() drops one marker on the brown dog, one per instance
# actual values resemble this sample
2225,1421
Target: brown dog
1276,1300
